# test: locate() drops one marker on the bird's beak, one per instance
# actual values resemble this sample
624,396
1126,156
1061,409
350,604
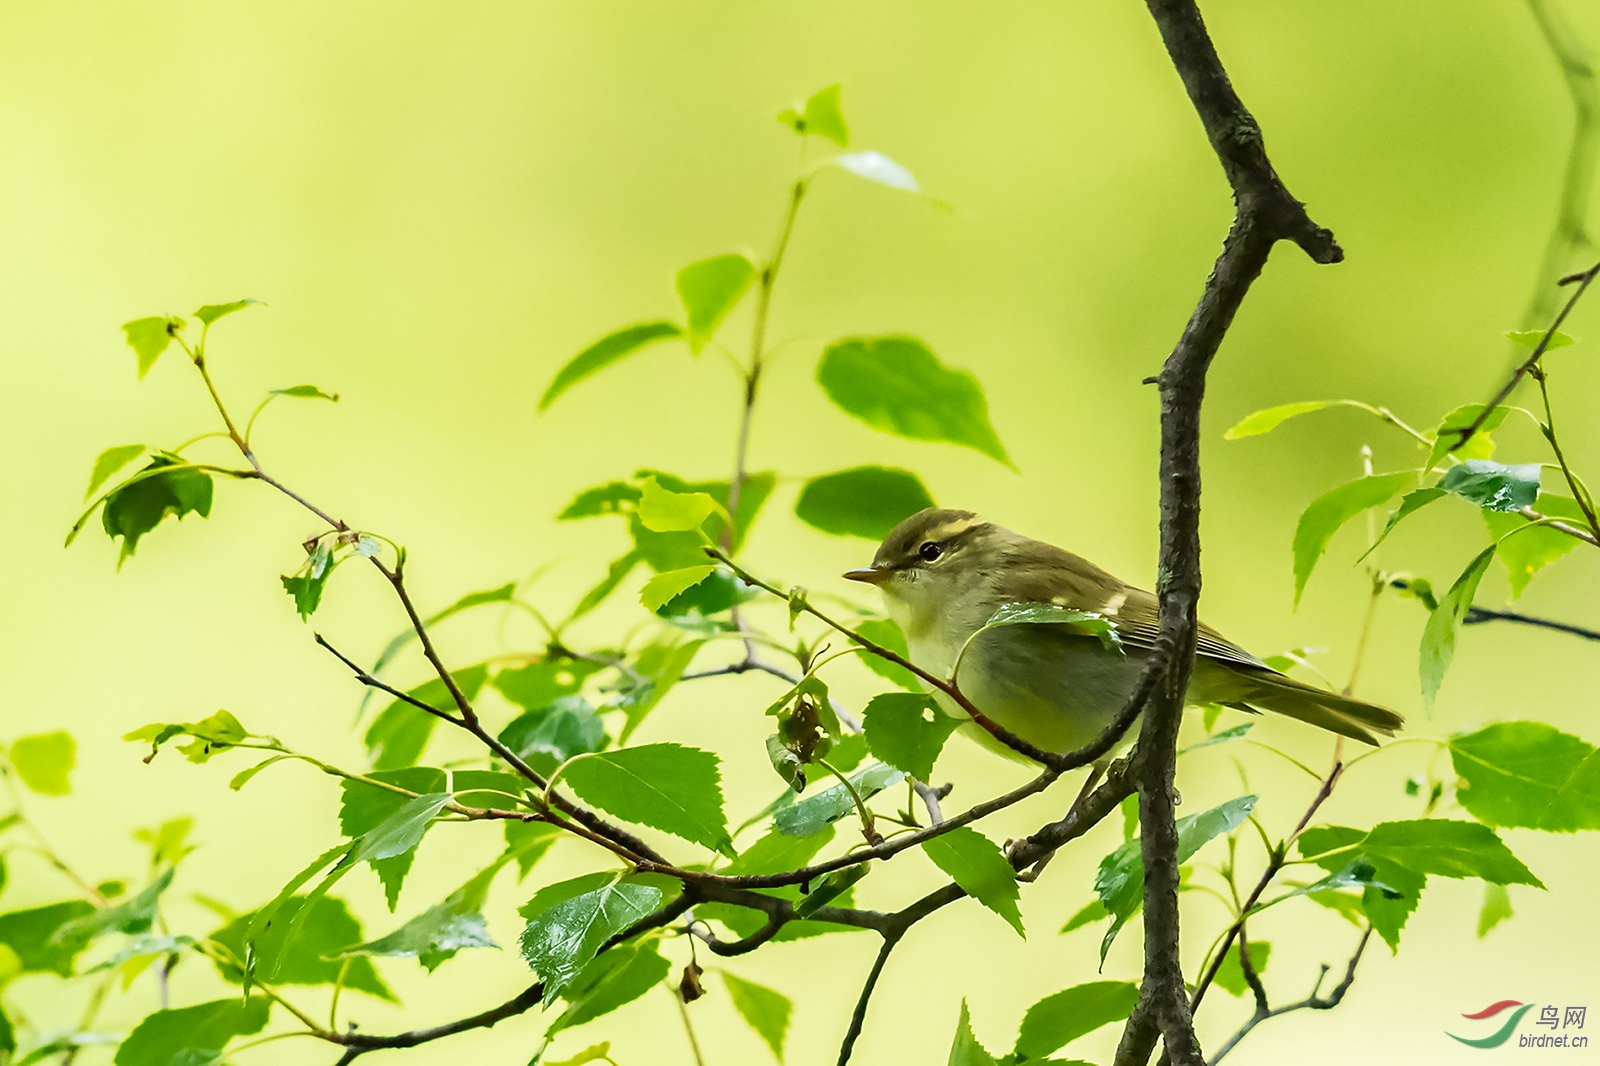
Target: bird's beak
872,575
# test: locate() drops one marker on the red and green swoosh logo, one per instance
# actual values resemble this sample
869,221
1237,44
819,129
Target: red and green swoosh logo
1501,1035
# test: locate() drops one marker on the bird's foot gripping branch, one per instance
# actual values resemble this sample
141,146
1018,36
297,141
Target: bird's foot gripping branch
553,712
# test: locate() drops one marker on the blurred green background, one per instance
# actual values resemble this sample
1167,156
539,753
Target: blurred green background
442,204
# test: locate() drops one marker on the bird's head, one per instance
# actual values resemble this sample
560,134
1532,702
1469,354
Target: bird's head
928,559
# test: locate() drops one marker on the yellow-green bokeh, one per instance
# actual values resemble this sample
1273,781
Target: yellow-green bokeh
442,203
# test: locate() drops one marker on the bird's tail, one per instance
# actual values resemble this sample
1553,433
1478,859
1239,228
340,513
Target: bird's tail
1338,714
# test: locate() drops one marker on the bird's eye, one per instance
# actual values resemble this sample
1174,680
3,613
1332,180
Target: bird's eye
930,551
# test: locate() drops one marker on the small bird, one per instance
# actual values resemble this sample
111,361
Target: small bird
945,573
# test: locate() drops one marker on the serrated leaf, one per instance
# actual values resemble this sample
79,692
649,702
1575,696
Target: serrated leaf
189,1036
297,944
1481,446
1393,894
1057,1020
565,931
109,462
1494,486
613,980
605,351
454,923
164,487
528,842
669,787
131,916
965,1049
766,1010
1269,419
149,337
592,1053
1439,635
864,501
709,289
814,813
875,166
659,590
551,735
211,312
1120,880
1322,519
1230,975
1231,733
212,734
664,511
1047,614
1536,546
44,761
1092,911
662,664
1448,848
885,633
400,732
977,864
1410,503
896,385
402,830
1528,774
907,730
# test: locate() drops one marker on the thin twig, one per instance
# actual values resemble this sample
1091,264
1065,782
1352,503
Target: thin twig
859,1016
1314,1001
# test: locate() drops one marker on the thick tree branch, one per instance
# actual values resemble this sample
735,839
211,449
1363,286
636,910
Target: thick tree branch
1265,214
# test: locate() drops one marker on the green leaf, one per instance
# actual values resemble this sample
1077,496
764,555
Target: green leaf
977,864
766,1009
710,289
1265,421
1320,521
669,787
551,735
211,312
907,730
1231,733
130,916
1057,1020
191,1036
399,734
528,842
1230,975
886,634
1536,547
44,761
660,589
610,498
821,116
814,813
149,337
1496,908
896,385
564,932
305,392
109,462
864,501
1048,614
209,736
662,664
164,487
1120,880
615,573
1481,446
593,1053
875,166
1448,848
664,511
1493,486
1391,891
439,932
402,830
615,979
1439,635
605,351
1530,338
965,1049
145,947
299,944
778,853
540,684
31,936
1410,503
1092,911
1528,774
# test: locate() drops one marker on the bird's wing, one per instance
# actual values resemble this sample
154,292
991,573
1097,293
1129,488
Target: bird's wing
1050,575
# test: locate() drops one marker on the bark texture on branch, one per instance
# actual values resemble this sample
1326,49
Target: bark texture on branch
1265,214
